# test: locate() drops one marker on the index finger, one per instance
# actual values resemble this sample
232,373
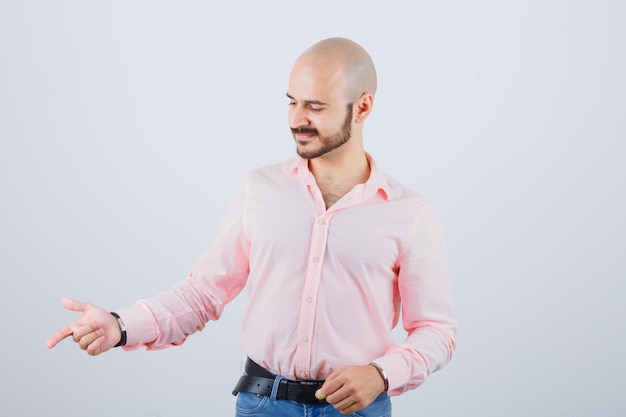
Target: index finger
332,384
73,305
60,335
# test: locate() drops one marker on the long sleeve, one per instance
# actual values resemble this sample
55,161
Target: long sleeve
216,278
326,286
427,312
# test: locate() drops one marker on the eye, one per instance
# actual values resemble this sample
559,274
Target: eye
315,109
291,103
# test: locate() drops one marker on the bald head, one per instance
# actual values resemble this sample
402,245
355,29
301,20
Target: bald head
351,65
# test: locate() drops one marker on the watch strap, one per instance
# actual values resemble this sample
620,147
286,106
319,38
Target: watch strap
120,322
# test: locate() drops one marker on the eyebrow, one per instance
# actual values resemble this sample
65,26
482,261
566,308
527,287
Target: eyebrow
318,102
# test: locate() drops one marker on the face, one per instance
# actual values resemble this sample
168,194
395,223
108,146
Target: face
326,142
319,118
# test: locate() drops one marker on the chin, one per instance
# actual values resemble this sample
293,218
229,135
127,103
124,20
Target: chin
306,151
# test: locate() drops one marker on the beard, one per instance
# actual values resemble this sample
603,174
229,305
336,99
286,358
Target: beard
329,142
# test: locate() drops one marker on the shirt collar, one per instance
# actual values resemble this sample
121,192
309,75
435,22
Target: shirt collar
376,183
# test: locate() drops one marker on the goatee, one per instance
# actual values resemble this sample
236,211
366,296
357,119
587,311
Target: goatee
330,142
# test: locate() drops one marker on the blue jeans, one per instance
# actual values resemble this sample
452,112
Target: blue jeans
251,405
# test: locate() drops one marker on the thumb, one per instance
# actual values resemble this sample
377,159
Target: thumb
73,305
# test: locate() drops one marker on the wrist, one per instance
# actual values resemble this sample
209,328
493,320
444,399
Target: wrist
382,374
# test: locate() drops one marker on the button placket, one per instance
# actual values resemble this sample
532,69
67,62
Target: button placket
319,237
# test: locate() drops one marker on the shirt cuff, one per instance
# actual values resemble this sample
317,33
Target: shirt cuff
140,326
398,372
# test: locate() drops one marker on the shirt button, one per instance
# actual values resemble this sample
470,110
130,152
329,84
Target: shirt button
309,299
320,222
305,338
316,259
304,375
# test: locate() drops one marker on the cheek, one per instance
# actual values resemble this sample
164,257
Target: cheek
332,125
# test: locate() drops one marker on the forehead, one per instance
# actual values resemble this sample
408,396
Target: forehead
316,81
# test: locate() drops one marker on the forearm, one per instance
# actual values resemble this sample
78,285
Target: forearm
425,351
169,318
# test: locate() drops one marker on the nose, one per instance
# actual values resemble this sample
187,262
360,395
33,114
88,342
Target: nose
297,116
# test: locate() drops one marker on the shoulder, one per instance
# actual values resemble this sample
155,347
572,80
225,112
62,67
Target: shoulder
393,189
398,191
275,173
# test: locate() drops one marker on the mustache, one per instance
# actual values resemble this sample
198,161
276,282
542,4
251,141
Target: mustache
304,130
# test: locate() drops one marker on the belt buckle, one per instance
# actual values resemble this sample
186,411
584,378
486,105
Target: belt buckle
312,383
309,382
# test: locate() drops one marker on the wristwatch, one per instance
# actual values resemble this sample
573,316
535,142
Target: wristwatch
120,322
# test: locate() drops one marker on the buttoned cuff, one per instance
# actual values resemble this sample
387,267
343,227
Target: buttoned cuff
141,327
398,372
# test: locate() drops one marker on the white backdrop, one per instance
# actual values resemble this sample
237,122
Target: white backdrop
125,126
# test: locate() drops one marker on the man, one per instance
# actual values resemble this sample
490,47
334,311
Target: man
331,251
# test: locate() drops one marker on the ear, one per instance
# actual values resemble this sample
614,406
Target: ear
363,106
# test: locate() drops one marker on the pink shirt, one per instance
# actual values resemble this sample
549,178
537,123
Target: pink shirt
326,286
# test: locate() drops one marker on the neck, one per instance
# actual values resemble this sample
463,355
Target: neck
345,164
337,173
350,168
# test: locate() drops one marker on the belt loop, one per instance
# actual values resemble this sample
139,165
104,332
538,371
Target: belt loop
275,387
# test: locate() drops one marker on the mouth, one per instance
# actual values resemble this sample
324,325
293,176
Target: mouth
304,134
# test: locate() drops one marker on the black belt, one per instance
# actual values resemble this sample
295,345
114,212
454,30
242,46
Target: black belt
260,381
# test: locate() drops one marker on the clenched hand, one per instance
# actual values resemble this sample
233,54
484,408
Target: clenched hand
352,388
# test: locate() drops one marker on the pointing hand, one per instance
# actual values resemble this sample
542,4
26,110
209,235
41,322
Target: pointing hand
96,331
